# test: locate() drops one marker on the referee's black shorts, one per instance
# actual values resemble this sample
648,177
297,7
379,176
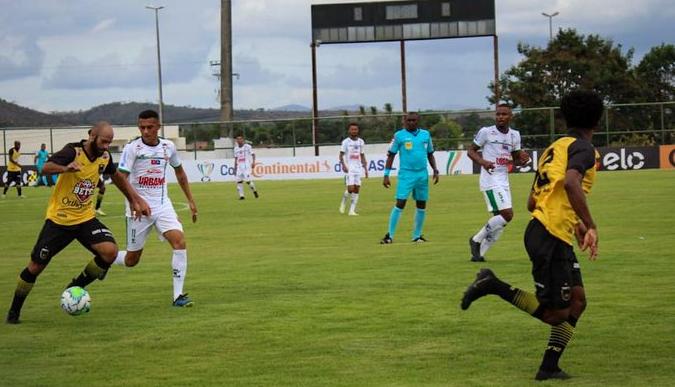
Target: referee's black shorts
555,268
55,237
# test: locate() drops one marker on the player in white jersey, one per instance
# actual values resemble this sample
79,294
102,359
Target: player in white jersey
244,162
145,161
355,167
500,148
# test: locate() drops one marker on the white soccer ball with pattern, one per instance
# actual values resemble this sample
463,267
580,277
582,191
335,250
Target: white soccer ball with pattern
75,301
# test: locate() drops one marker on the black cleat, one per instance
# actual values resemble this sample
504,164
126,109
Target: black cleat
421,239
241,198
478,288
475,251
255,193
386,240
546,375
12,317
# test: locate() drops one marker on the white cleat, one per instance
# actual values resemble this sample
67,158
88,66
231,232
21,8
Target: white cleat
353,213
342,208
100,212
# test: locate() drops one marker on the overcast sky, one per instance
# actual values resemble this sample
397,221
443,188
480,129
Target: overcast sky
75,54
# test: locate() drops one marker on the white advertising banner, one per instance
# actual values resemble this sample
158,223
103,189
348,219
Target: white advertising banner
321,167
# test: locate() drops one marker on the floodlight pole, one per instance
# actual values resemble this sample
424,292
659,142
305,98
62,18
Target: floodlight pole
550,23
495,46
315,104
404,94
159,65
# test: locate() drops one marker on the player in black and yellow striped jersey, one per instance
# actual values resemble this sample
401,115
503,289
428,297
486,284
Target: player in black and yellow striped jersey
70,213
14,169
564,176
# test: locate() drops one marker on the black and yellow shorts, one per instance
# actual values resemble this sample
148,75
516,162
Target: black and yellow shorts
555,268
55,237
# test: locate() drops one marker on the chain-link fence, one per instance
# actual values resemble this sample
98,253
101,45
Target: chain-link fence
622,124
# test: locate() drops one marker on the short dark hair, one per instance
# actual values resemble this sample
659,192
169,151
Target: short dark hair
349,125
146,114
239,135
582,109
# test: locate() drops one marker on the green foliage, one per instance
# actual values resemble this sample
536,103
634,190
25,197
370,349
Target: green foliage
288,292
656,73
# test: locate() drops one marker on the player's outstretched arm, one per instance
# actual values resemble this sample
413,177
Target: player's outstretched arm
138,205
182,178
577,198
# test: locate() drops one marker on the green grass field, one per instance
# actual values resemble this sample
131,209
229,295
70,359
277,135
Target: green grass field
289,292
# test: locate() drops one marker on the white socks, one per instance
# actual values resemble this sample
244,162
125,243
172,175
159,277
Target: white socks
355,199
489,234
345,196
179,263
120,258
250,184
240,189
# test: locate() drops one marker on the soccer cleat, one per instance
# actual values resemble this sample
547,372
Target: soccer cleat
12,317
478,288
475,251
241,198
353,213
546,375
386,240
255,193
100,212
23,196
342,208
420,239
183,301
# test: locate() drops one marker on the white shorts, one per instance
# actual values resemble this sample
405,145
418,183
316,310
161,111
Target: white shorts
164,220
497,199
243,174
353,179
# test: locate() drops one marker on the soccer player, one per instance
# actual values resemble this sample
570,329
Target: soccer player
354,168
70,213
565,175
500,148
14,170
145,161
40,159
416,149
244,162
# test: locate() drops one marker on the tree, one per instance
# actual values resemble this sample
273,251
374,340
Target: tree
656,74
570,61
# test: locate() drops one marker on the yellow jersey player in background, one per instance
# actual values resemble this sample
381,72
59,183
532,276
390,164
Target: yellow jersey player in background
70,213
14,170
565,175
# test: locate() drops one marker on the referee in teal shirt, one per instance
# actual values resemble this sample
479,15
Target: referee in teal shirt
416,148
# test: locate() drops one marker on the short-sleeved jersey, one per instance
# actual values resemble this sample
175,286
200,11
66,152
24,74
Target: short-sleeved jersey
147,166
414,148
14,156
41,156
496,147
71,200
244,156
552,206
352,150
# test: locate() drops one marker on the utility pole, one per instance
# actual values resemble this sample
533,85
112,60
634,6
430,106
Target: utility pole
226,109
159,66
550,23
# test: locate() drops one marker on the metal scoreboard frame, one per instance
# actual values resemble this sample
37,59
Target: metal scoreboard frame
399,21
388,21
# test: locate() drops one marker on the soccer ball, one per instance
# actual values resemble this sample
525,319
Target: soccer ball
75,301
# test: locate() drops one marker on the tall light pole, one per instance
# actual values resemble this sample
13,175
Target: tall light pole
159,64
550,23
